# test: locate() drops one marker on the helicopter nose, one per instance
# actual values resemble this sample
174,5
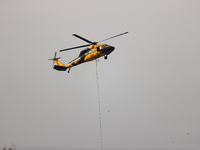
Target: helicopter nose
112,48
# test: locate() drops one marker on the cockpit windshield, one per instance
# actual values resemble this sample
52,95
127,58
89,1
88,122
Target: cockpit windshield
104,45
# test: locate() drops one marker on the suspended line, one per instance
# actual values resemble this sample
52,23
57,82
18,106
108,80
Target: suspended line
99,107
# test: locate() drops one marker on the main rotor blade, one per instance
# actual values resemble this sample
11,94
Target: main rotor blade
82,38
114,36
74,47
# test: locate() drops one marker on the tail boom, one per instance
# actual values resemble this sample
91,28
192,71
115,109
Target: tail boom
60,66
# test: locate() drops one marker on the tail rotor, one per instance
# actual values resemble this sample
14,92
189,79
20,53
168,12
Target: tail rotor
54,58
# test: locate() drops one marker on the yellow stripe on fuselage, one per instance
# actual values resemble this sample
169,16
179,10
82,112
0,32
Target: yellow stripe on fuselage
59,63
69,65
94,54
91,56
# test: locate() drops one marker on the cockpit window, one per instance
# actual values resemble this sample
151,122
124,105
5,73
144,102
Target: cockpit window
104,45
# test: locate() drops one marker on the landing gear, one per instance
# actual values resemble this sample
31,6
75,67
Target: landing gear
105,57
68,70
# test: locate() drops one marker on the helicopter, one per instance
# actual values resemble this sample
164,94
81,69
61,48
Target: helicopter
92,52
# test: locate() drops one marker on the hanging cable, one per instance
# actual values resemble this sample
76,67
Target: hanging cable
99,107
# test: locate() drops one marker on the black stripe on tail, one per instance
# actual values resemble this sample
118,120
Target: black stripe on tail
60,68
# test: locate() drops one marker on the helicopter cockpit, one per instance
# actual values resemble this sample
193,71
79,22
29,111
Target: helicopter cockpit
104,45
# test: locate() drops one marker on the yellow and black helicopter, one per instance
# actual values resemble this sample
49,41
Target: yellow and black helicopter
94,51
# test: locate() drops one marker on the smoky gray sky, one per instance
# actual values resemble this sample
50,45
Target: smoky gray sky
149,86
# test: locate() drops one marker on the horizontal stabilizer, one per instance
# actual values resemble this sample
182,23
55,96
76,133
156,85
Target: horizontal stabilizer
60,68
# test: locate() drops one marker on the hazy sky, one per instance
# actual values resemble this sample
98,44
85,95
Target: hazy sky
149,86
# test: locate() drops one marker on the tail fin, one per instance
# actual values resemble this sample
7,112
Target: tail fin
60,66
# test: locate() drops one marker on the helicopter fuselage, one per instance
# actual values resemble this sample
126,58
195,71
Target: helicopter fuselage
89,54
94,51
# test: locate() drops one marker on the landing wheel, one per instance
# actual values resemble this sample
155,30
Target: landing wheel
105,57
68,70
